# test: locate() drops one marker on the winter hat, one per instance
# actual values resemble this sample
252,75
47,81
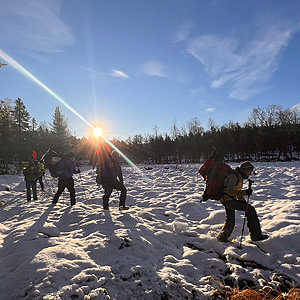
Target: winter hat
246,166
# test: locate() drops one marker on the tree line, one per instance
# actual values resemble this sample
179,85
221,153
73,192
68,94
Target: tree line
271,133
20,134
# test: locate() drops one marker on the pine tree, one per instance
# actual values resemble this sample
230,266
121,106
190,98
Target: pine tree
34,124
60,131
44,137
6,137
20,126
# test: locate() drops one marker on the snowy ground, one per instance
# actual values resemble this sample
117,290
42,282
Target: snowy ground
164,247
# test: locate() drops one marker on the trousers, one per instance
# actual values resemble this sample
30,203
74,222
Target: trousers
31,185
62,184
109,187
252,220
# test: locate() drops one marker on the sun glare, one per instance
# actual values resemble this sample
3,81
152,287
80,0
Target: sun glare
97,131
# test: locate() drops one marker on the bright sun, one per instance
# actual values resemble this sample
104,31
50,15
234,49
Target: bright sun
97,131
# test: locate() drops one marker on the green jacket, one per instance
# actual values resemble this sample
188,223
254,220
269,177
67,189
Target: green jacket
32,173
41,167
233,188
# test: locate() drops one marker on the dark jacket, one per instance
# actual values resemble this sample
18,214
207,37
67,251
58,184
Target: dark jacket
66,168
110,169
31,173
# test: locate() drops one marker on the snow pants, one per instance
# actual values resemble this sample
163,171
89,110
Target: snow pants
252,220
62,184
31,185
109,187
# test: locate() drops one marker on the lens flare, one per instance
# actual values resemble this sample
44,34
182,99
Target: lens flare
17,66
21,69
146,178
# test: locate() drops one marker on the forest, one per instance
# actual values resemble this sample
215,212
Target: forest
270,134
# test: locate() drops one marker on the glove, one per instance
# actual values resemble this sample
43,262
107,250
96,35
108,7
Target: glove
249,192
78,170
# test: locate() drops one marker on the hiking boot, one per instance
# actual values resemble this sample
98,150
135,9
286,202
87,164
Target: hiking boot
123,207
222,239
262,237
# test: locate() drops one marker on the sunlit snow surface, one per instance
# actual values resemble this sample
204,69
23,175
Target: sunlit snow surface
163,246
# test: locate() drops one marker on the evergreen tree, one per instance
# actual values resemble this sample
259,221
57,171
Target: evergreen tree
33,136
34,124
60,131
20,126
6,137
44,137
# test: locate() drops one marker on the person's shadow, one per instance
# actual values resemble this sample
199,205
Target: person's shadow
19,248
124,249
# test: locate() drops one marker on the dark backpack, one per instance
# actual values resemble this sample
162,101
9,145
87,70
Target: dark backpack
53,165
214,172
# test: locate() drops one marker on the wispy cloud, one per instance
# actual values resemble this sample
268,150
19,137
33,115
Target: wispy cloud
153,68
35,25
183,33
119,74
102,77
210,109
243,65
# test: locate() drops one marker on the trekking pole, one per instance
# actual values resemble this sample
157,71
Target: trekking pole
250,184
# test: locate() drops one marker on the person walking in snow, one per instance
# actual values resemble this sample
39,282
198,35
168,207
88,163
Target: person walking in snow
233,199
110,172
32,174
65,170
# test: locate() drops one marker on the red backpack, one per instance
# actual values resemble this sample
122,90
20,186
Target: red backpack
214,172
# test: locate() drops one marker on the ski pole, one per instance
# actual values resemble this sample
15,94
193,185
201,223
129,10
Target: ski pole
250,184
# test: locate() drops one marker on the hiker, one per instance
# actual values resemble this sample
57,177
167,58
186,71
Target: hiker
111,175
233,199
65,170
31,173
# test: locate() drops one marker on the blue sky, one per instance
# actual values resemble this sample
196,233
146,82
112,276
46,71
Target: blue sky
132,65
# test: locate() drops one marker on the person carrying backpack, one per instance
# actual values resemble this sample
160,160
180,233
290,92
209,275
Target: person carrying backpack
65,170
233,199
32,174
110,172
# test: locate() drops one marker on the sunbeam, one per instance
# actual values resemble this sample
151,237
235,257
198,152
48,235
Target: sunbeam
129,162
22,70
